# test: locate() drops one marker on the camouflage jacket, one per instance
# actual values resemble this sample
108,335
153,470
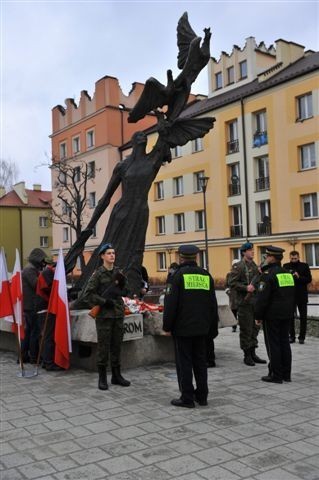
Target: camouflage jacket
242,274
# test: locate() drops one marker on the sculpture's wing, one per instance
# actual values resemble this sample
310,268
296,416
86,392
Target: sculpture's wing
153,96
185,34
184,130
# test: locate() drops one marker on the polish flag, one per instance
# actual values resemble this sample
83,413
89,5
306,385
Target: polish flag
6,309
16,295
58,305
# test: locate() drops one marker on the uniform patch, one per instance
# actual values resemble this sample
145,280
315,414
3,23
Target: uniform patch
285,279
261,286
168,289
195,281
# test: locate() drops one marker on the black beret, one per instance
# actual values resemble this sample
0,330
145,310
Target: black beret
246,246
274,251
188,250
105,247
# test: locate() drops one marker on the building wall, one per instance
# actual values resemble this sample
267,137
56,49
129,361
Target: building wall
32,232
10,233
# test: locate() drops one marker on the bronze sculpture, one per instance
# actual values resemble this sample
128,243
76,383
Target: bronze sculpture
127,225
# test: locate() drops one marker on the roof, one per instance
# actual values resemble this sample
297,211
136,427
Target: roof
36,199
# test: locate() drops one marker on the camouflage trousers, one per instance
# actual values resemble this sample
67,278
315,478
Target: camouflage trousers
248,329
110,333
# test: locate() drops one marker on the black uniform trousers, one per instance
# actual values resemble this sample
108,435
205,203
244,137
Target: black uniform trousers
191,358
47,321
30,343
276,334
302,308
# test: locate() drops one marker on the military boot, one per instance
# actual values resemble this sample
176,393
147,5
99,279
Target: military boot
255,357
248,358
102,378
117,378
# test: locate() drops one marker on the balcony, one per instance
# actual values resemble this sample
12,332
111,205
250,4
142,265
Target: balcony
232,146
260,138
264,228
236,231
234,189
262,183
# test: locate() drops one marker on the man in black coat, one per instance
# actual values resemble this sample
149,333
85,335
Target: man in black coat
302,276
190,313
274,306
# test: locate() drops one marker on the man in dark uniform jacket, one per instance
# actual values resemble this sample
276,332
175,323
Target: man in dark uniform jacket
302,276
190,313
274,307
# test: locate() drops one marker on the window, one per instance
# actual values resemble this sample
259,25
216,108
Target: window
310,205
44,242
304,107
76,144
63,151
262,180
230,75
263,217
92,199
232,133
197,145
197,176
202,259
90,139
260,121
178,186
66,209
312,254
235,254
65,234
234,185
62,178
243,69
159,190
160,225
176,152
179,222
199,220
236,229
43,221
161,261
77,174
307,156
93,232
218,80
91,169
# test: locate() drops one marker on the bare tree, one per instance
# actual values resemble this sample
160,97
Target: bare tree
8,173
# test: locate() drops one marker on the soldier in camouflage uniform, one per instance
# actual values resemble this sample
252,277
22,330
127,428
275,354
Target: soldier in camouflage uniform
243,281
104,289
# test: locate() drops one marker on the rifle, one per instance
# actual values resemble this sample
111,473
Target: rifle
118,280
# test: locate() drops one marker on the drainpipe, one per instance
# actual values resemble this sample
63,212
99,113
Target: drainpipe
21,235
245,168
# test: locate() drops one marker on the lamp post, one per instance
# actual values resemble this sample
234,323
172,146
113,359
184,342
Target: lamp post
203,181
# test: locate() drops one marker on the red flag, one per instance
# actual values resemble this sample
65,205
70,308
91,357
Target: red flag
16,295
58,305
6,309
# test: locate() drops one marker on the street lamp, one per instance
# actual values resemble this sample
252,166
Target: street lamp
203,181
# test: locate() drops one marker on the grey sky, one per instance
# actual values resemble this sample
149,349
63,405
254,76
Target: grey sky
51,50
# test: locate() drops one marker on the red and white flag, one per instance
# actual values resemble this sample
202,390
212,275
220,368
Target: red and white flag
16,296
6,308
58,305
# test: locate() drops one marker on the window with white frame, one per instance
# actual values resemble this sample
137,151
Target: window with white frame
77,174
263,210
178,186
197,145
235,253
218,80
304,107
231,75
44,242
76,144
93,232
63,150
179,222
90,140
92,199
65,234
243,69
309,205
202,260
91,169
159,190
307,156
161,261
232,133
260,120
43,222
160,225
65,207
197,184
199,220
312,254
176,151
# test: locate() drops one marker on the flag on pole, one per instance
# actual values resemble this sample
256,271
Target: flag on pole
16,295
6,309
58,305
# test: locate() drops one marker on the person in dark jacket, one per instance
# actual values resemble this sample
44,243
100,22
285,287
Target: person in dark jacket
274,306
30,343
106,288
190,312
302,276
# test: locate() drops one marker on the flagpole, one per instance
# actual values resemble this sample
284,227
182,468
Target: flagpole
44,329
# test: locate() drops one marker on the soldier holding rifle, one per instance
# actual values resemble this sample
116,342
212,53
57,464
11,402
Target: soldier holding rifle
105,289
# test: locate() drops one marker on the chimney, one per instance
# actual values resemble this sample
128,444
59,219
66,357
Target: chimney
19,188
37,187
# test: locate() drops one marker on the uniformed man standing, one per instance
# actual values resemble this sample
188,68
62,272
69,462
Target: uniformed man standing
274,307
243,279
190,313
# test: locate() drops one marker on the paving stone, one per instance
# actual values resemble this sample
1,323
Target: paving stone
263,442
86,472
62,462
277,473
65,447
214,455
154,455
89,455
219,473
127,432
121,448
12,474
120,464
15,459
182,465
264,460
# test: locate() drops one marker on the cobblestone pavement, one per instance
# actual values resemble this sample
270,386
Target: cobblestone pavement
59,426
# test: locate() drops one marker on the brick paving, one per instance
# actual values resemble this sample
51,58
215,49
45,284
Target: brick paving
59,426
